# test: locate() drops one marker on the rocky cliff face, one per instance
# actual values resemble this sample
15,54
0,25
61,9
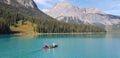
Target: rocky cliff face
26,7
66,12
6,1
20,3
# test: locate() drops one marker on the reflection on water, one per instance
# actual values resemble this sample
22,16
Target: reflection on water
71,36
70,46
67,36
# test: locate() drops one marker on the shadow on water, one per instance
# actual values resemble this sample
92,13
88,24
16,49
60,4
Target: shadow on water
15,36
10,36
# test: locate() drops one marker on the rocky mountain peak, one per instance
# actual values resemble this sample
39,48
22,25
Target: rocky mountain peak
62,5
64,11
67,9
20,3
65,6
27,3
94,10
6,1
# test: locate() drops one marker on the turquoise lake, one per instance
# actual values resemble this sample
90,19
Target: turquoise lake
69,46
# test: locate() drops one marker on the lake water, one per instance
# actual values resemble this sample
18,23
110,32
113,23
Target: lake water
70,46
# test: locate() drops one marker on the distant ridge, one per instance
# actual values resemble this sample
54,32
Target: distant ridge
64,11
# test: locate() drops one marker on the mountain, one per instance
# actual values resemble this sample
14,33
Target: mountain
23,16
27,7
20,3
64,11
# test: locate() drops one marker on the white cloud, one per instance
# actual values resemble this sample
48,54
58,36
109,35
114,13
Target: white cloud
115,12
115,5
114,9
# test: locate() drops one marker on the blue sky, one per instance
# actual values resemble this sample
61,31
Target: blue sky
107,6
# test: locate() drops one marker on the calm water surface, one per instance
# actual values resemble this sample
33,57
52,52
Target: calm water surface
70,46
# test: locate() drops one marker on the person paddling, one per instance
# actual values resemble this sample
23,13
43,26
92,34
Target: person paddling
45,46
48,47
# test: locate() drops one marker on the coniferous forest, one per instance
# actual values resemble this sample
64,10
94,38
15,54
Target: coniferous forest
10,16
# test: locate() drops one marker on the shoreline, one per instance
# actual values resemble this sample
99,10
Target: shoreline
76,33
34,34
